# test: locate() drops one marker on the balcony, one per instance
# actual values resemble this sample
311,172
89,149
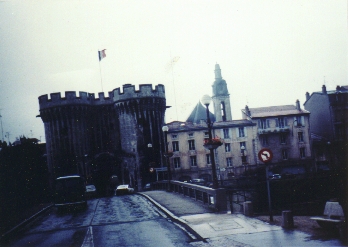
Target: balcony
273,130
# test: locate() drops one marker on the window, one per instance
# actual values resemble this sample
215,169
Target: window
208,158
193,160
206,134
302,152
285,154
191,144
190,135
299,120
263,123
223,111
174,136
229,162
282,138
281,122
226,133
241,132
264,140
175,146
300,136
176,161
228,147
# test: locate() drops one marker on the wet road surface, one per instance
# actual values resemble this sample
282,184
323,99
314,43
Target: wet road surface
128,220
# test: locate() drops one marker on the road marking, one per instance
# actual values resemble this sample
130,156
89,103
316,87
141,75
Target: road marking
88,241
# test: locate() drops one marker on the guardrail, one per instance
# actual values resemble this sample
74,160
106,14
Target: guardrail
215,198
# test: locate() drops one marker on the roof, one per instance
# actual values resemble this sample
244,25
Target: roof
188,126
271,111
199,113
339,89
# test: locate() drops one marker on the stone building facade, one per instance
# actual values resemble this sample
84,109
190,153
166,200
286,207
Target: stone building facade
106,135
283,129
329,125
191,160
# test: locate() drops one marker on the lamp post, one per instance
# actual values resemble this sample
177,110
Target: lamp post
206,101
166,154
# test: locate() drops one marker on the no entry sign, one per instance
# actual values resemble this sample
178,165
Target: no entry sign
265,155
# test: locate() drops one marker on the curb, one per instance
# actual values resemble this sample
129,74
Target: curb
7,234
174,218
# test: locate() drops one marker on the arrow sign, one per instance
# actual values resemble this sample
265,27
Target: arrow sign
265,155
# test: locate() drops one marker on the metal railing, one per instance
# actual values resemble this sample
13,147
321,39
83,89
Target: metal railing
214,198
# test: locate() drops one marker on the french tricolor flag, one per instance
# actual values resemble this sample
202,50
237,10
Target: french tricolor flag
101,54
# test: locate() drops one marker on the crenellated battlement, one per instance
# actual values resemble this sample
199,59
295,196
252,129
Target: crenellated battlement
145,90
71,98
84,98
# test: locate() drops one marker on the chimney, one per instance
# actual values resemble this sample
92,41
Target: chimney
298,105
323,89
247,111
338,88
307,96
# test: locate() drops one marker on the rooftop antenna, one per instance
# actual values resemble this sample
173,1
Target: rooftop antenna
2,130
174,60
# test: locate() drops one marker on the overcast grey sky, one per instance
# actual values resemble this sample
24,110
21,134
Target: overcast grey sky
270,52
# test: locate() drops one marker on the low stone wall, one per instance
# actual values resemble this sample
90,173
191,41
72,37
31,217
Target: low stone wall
215,198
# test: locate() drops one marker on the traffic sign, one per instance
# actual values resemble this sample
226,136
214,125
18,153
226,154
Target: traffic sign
265,155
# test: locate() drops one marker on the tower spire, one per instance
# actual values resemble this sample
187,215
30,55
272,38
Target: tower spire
221,97
217,72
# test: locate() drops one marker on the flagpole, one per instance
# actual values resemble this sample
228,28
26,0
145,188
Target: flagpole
101,78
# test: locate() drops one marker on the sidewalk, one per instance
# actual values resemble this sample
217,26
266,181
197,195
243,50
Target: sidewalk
222,228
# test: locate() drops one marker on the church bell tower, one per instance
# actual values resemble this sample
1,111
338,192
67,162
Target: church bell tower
221,97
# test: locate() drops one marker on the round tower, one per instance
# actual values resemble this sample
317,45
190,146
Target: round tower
74,130
141,117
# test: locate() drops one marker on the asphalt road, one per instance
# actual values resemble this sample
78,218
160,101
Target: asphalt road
128,220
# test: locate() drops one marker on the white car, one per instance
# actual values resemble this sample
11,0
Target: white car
124,189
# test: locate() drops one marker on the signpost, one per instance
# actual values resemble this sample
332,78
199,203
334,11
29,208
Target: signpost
265,155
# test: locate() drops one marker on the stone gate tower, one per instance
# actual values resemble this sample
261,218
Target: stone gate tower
106,134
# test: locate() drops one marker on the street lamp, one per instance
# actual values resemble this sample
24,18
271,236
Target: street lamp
166,154
243,157
206,99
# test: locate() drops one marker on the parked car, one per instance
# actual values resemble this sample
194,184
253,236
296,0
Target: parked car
91,191
70,191
276,176
198,181
147,187
124,189
209,184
